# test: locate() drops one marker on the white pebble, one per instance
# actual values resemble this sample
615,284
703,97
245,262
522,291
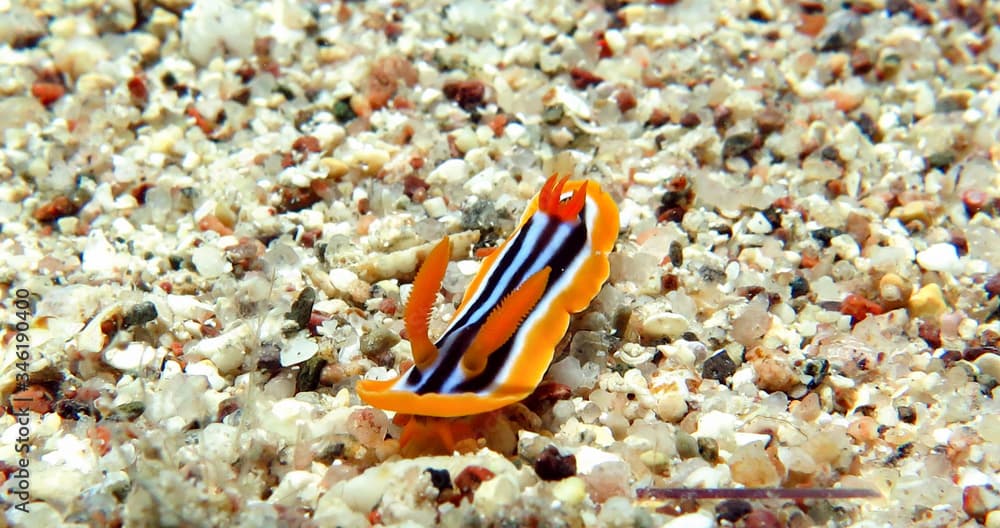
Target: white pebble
135,355
467,267
587,458
515,131
124,169
52,484
614,510
218,442
691,520
563,410
164,139
716,424
209,261
940,257
570,491
298,350
98,254
211,28
664,325
363,492
567,372
187,307
435,207
208,370
573,103
451,171
280,387
744,375
671,408
759,225
989,364
465,140
78,56
485,183
743,439
343,279
71,453
845,246
329,135
91,338
616,41
297,487
473,18
286,417
796,459
970,476
634,354
993,519
226,350
121,227
941,435
705,477
496,494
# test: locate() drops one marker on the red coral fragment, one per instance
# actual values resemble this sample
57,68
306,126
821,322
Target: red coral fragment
205,125
658,118
415,188
468,94
139,192
246,73
859,308
808,260
974,200
546,394
930,333
625,100
306,144
137,88
811,24
100,437
583,78
316,319
762,519
470,478
497,124
386,73
979,501
993,286
295,199
309,238
54,209
392,31
47,92
35,398
388,306
602,45
211,222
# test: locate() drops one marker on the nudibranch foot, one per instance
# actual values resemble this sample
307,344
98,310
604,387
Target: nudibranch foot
429,435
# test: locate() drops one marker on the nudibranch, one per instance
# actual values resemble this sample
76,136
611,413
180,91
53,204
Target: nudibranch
503,335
